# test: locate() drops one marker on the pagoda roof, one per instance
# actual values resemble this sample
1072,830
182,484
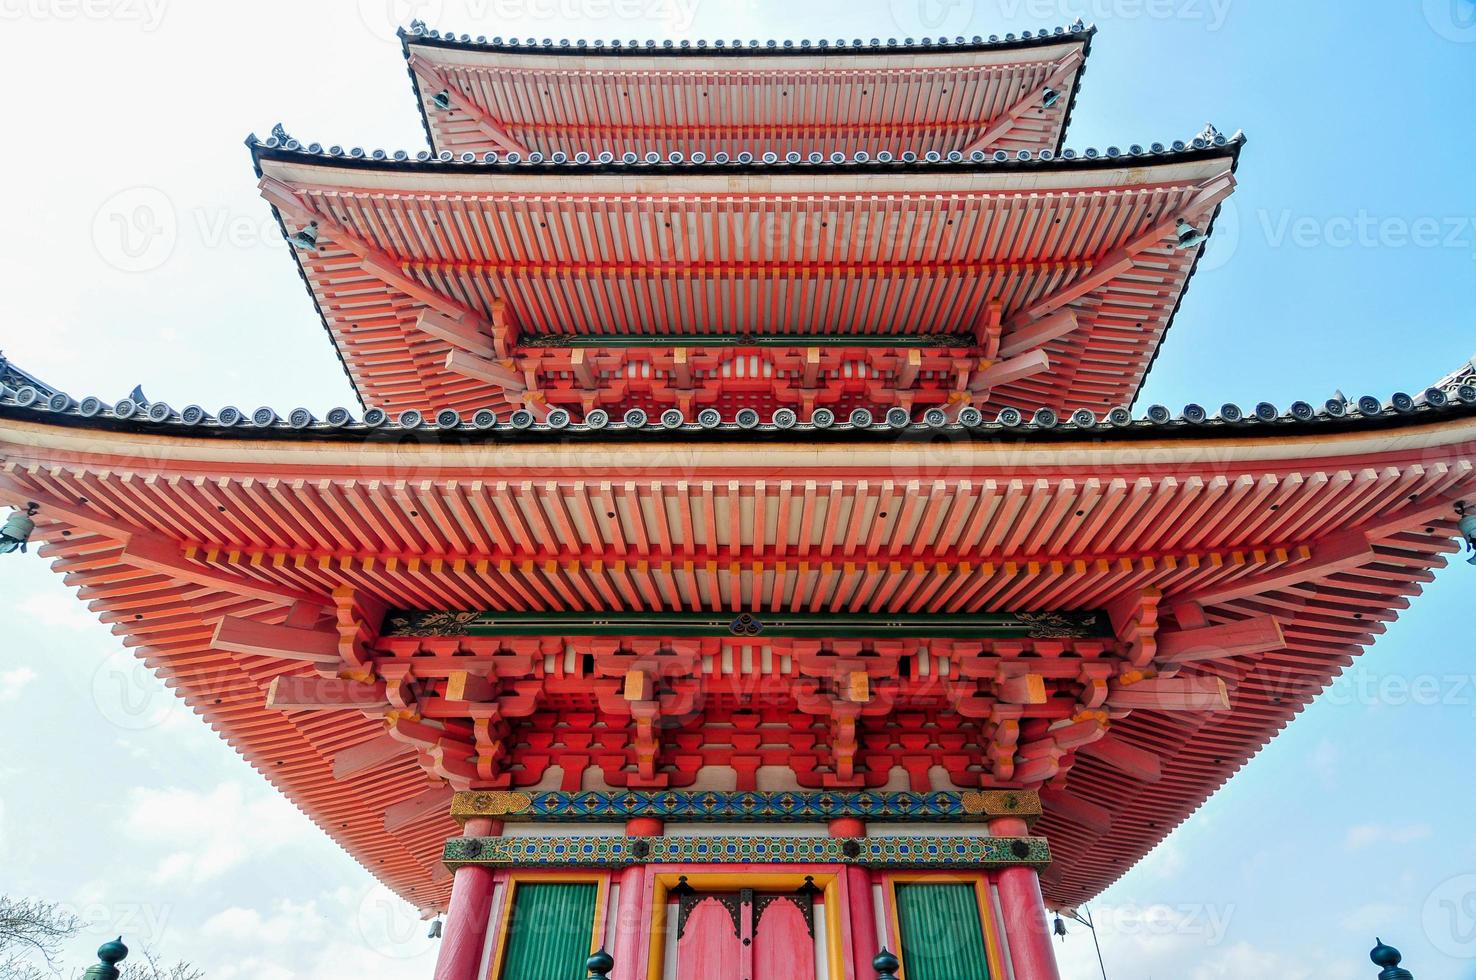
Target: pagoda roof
1013,93
1030,280
1327,527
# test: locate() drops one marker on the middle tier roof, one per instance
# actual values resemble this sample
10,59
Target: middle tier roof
475,286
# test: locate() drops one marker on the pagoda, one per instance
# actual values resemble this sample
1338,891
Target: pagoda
746,562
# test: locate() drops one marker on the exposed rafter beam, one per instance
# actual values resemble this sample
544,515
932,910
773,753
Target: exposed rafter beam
1327,557
1258,635
499,374
1171,694
1067,806
429,805
1122,258
493,128
1003,123
291,693
383,267
1038,334
1014,369
377,751
252,638
155,553
1129,760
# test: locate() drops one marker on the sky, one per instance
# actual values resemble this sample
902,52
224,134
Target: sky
138,252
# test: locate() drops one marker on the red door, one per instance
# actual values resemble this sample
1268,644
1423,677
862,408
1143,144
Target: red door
745,935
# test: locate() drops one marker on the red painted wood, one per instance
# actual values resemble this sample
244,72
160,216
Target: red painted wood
631,918
1025,924
709,948
465,932
861,906
783,948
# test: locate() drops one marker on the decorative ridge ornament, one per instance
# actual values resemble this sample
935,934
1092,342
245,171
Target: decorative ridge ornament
1389,958
109,955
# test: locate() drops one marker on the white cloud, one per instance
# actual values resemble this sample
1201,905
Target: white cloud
58,610
211,833
1367,835
13,682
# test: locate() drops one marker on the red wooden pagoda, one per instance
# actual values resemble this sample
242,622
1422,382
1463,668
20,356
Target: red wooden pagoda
745,559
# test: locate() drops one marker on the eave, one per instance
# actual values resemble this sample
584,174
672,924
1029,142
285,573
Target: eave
953,95
130,516
1123,281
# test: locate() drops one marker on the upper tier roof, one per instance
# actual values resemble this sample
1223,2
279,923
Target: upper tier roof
1042,281
1013,94
1327,529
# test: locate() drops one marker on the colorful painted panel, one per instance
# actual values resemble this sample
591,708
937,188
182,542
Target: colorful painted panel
782,807
826,626
888,852
548,937
942,938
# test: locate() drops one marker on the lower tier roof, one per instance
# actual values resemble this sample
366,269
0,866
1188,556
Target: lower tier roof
1319,536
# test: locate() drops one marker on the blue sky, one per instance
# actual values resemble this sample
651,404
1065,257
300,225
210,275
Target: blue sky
1346,261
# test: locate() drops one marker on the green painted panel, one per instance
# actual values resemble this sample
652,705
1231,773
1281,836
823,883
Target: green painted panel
548,937
942,938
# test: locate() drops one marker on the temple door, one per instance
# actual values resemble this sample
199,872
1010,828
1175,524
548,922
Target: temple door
783,937
745,936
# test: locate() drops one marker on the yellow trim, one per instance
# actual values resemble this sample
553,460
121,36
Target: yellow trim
993,949
602,899
664,881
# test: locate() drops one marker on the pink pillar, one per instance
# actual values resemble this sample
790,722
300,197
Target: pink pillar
631,920
863,919
465,934
1024,913
862,909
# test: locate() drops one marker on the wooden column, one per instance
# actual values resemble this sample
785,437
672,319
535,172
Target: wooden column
470,912
1024,912
632,919
862,910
